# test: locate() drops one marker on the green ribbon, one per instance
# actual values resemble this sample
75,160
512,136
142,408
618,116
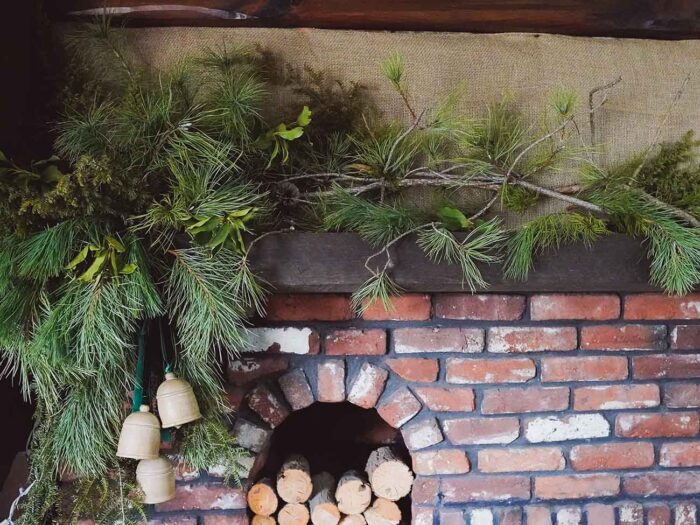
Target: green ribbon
140,366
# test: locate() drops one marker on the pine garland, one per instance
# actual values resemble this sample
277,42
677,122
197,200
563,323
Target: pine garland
162,185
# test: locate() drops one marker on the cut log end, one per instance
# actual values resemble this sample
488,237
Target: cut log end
324,510
294,480
353,519
293,514
389,477
353,493
383,512
262,520
262,499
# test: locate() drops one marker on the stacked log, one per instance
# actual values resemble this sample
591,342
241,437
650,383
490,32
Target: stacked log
355,498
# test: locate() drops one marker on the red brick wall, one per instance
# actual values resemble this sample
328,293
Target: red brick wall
542,409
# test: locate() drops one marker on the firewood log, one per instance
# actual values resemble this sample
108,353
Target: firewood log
294,480
262,499
353,519
353,493
324,510
262,520
293,514
389,477
383,512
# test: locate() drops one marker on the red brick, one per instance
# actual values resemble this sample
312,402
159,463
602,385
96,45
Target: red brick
662,483
662,306
614,397
515,370
158,521
675,424
205,496
415,368
482,430
422,434
612,456
436,340
631,513
422,515
309,307
296,389
600,514
436,462
473,488
449,516
247,370
680,366
331,381
368,386
399,407
267,405
408,307
576,487
425,491
658,514
235,395
599,307
284,340
623,337
538,515
527,399
237,519
516,339
446,399
484,307
356,342
682,395
510,516
520,459
561,369
685,513
680,454
686,337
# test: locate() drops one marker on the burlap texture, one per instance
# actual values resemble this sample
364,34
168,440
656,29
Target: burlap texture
526,66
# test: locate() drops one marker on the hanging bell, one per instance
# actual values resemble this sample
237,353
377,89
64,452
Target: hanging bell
156,478
140,435
176,402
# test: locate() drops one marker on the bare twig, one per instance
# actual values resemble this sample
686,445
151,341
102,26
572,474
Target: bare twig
592,109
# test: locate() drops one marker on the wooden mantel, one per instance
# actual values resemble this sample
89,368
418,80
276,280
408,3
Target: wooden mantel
671,19
334,262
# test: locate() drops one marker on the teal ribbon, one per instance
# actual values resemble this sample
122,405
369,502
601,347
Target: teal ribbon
140,366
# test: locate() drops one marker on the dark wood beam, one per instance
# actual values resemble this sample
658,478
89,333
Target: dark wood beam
334,262
623,18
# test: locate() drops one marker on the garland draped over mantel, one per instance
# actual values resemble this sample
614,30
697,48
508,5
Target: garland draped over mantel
161,185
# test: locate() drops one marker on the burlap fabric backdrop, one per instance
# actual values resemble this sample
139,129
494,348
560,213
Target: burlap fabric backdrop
527,66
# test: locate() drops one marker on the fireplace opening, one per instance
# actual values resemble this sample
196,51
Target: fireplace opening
334,438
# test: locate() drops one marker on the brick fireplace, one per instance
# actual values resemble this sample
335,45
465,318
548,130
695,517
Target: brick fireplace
520,408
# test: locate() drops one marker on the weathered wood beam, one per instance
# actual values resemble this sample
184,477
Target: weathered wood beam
334,262
624,18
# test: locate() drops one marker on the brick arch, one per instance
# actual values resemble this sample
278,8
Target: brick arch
272,397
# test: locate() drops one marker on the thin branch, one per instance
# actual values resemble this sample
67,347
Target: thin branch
592,109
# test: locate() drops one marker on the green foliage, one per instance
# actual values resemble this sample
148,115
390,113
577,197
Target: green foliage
208,443
379,287
479,245
546,233
387,152
517,198
375,222
278,137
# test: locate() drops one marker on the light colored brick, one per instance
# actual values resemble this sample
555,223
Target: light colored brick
564,428
368,386
285,340
422,434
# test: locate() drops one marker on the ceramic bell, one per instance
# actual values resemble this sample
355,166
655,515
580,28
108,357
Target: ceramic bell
156,478
176,402
140,435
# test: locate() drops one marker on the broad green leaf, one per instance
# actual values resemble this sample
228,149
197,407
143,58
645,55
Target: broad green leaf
453,218
82,255
94,269
241,213
128,269
220,236
304,118
114,243
291,134
210,225
51,174
113,261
